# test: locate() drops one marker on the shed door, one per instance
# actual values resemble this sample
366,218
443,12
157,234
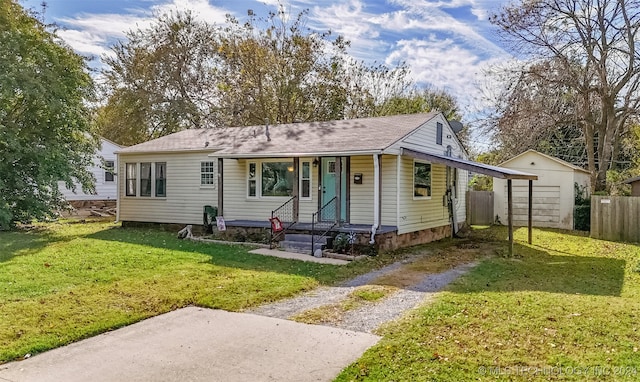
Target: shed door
546,206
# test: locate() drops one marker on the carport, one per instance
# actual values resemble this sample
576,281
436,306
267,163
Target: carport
485,169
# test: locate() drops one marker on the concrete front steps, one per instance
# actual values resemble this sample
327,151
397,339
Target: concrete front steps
301,243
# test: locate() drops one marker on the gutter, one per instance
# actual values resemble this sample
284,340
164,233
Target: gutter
295,154
118,188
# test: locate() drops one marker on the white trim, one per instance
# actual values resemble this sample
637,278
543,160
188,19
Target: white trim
301,178
214,172
255,178
279,156
104,171
152,180
398,167
118,192
376,198
413,176
258,178
126,179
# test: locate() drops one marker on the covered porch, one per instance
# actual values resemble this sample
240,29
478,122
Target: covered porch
485,169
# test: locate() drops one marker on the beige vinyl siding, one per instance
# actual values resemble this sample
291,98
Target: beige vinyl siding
238,206
389,190
185,196
361,198
424,139
419,214
362,194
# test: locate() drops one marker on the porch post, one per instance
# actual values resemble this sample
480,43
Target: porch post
296,187
530,208
338,189
220,186
510,216
377,200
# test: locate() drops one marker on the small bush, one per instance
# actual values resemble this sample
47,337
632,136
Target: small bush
582,217
341,243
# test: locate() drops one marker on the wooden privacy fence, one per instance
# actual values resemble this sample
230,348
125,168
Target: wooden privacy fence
615,218
480,207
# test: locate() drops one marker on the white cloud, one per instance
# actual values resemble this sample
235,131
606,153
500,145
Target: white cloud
439,49
84,42
200,8
443,65
89,33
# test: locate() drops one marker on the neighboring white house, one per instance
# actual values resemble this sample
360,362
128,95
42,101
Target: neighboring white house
104,164
553,192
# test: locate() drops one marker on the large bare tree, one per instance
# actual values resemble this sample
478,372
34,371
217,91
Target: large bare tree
581,69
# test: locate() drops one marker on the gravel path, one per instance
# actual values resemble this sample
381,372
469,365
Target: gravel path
370,316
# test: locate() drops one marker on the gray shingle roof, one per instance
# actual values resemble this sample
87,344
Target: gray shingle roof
342,136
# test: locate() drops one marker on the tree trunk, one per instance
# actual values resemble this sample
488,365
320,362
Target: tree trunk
588,136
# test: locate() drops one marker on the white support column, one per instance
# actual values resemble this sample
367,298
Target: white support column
376,197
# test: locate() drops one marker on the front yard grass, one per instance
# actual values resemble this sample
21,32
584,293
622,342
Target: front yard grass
565,307
60,282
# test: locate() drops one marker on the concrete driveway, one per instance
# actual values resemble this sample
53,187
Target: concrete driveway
196,344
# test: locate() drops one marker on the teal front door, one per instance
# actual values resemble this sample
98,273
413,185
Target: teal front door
329,189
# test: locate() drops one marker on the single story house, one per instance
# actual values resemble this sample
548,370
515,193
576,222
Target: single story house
103,169
396,180
553,193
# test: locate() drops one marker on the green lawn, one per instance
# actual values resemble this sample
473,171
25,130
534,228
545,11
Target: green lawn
566,307
65,282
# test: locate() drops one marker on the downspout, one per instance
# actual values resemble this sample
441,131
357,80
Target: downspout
376,198
117,174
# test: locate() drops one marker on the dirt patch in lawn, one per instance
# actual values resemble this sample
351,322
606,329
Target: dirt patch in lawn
333,313
440,260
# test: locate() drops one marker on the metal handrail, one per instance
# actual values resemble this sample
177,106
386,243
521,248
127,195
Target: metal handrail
315,216
285,209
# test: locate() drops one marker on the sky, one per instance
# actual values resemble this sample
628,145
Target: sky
446,43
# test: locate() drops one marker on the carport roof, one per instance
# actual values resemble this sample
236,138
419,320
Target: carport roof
480,168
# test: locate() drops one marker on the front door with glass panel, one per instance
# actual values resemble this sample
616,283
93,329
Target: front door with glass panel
329,188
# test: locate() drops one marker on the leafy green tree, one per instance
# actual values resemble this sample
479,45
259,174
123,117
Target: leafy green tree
45,130
183,73
161,80
422,101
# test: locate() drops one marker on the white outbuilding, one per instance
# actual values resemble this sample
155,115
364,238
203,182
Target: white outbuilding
553,192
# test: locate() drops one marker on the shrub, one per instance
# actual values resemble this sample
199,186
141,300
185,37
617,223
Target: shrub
582,217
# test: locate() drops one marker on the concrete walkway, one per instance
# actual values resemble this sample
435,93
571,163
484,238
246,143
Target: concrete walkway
196,344
298,256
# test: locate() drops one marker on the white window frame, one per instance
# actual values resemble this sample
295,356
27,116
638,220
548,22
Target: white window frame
154,187
258,178
413,177
138,180
109,170
310,179
214,173
255,178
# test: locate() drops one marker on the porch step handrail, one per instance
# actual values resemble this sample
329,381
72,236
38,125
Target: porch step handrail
286,214
328,206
